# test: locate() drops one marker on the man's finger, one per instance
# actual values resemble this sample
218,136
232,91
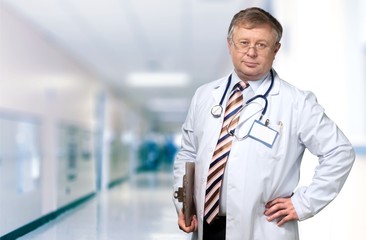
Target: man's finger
182,224
281,209
274,208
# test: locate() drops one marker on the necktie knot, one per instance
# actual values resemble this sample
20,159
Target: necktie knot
240,86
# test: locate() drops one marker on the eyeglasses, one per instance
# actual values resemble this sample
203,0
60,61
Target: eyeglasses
243,46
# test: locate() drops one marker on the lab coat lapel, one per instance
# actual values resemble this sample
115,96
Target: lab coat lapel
219,89
215,123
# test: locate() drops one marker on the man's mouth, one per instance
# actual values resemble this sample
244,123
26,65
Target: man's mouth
250,64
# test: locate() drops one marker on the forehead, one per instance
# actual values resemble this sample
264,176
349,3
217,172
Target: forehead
262,31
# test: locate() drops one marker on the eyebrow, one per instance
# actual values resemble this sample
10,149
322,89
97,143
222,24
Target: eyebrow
260,40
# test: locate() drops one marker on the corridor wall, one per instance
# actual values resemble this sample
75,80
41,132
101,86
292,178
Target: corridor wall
48,125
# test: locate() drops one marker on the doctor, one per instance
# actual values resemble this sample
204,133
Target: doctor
248,165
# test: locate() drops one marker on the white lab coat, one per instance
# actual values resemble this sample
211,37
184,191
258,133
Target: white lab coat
256,173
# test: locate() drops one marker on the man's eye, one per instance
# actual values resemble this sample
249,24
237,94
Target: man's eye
244,43
261,45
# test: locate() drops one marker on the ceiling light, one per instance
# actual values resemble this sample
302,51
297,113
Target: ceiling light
169,104
172,118
157,79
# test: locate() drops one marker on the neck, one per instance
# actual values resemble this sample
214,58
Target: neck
245,78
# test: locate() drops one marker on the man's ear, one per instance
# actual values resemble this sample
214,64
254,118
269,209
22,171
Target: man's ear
228,40
277,47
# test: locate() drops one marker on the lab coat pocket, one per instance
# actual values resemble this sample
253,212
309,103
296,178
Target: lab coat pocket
267,153
267,161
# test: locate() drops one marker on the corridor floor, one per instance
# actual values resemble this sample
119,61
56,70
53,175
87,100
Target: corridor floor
140,209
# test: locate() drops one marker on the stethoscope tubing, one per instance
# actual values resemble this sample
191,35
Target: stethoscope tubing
264,97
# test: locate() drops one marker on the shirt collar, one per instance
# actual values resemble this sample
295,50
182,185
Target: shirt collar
254,85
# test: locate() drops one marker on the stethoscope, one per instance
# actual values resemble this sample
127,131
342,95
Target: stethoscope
217,110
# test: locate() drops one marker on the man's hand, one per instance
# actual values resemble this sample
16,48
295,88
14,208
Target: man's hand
181,222
281,209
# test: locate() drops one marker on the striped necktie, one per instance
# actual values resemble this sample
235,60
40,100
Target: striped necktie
222,151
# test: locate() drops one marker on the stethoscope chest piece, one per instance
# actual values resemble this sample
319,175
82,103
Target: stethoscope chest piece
216,111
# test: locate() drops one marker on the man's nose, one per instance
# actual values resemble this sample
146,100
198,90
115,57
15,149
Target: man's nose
251,52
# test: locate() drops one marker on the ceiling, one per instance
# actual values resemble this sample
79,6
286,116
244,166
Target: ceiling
116,38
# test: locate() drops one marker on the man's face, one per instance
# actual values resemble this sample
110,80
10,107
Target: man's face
253,51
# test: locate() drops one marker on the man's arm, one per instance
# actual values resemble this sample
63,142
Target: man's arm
336,156
187,152
324,139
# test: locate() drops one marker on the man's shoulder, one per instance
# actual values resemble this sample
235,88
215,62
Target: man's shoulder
209,86
290,91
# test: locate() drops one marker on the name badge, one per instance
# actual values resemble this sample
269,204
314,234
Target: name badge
263,133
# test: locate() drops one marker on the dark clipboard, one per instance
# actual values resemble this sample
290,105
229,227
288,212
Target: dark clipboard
185,193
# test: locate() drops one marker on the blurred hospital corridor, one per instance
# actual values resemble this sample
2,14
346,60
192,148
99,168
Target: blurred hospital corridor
138,209
93,95
142,209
